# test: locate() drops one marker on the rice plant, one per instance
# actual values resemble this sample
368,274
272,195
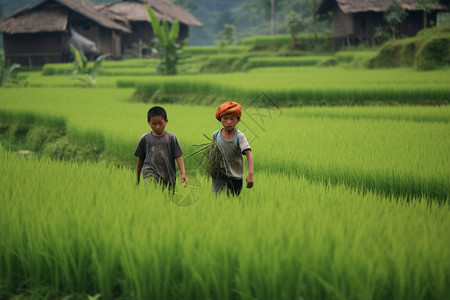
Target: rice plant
393,150
213,156
91,231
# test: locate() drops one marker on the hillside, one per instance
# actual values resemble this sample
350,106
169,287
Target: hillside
429,50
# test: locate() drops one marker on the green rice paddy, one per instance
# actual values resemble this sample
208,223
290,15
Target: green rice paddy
349,202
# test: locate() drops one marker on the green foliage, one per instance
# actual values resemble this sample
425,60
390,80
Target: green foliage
368,180
228,34
262,62
295,25
166,49
394,15
210,50
427,51
7,72
82,71
425,6
434,54
306,42
302,86
213,157
224,63
57,69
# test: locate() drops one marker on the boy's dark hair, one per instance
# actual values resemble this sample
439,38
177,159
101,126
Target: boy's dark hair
156,111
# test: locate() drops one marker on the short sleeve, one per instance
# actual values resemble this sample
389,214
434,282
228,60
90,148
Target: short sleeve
215,134
177,151
243,143
140,149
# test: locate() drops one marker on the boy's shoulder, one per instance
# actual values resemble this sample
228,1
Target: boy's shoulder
240,134
215,133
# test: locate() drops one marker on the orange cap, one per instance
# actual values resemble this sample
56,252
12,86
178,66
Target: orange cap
228,107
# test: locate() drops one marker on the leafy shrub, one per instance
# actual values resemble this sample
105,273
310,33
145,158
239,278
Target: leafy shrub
429,50
434,54
6,73
388,56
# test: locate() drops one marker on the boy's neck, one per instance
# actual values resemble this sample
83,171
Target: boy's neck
155,134
228,135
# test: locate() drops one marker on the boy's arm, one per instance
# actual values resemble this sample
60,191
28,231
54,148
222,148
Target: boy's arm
180,163
140,163
249,178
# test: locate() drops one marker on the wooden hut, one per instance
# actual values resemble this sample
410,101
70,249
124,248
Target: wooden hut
355,20
40,34
135,12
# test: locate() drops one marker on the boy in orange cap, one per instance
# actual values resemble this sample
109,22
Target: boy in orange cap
234,145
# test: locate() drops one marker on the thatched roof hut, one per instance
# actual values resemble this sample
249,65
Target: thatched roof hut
134,11
357,19
39,34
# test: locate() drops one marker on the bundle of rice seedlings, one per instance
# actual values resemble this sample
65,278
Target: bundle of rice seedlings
213,156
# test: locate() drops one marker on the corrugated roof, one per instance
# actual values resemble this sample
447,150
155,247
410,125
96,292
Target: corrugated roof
354,6
44,18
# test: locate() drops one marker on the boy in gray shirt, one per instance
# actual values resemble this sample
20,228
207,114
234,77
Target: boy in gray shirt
234,145
157,152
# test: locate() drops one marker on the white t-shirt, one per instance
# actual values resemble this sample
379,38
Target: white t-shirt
233,151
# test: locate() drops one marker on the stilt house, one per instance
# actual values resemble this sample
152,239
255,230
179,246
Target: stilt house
135,12
40,34
354,21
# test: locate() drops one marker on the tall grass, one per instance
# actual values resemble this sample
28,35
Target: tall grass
392,150
285,85
86,229
211,50
310,85
263,62
284,39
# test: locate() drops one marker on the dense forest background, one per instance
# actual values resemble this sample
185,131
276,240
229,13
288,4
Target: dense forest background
249,17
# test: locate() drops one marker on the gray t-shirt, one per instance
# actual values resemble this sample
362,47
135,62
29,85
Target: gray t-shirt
159,154
233,151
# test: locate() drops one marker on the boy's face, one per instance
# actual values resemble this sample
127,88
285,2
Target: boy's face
229,122
158,124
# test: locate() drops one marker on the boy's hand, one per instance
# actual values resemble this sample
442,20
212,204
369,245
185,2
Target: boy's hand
184,179
249,181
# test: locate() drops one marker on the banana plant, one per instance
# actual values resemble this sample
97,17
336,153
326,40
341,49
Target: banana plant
82,71
166,47
5,73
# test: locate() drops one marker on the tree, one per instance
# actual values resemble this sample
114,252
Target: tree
228,34
394,15
312,6
426,5
166,47
269,9
295,24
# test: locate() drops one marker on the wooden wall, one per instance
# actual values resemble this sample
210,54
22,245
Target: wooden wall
33,49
